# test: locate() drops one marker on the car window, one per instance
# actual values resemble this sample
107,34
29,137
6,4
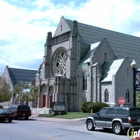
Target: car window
122,112
23,107
102,111
111,111
1,110
135,112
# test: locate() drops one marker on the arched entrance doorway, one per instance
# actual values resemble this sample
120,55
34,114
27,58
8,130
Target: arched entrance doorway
43,95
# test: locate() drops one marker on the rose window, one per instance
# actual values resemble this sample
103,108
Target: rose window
60,63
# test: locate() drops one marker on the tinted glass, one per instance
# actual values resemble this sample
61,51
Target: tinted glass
135,112
23,107
103,111
122,112
4,111
1,110
111,111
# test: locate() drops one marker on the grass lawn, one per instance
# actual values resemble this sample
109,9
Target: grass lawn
69,115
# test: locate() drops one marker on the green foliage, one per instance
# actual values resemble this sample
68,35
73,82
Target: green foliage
85,107
95,106
138,98
1,106
33,94
26,92
5,93
68,115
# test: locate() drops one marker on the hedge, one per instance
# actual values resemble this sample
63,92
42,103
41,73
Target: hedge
95,106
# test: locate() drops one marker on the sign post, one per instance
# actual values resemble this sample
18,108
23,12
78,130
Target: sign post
121,101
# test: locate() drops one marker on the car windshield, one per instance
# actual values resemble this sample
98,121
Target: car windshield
4,111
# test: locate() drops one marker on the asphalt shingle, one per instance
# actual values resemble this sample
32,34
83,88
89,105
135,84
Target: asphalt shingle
18,75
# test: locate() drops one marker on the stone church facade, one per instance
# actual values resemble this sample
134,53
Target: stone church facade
86,63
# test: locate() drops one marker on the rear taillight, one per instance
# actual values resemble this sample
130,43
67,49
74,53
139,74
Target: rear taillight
129,119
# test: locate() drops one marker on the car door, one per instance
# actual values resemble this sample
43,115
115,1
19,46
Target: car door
110,115
100,117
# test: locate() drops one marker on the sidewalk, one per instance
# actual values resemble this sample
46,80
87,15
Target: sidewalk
35,116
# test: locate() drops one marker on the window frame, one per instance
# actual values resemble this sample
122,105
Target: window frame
106,96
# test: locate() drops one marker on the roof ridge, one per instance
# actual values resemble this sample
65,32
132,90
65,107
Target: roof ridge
105,29
22,69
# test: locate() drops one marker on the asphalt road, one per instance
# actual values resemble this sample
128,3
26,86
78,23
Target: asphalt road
53,129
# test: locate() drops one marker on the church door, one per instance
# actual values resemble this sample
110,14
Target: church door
44,100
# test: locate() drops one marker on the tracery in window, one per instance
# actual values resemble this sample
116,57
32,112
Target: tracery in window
59,65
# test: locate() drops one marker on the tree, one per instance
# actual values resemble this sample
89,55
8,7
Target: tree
25,92
5,93
138,98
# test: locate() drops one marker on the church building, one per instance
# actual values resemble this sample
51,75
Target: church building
86,63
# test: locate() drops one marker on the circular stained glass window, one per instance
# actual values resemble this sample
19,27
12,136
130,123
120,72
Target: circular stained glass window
59,64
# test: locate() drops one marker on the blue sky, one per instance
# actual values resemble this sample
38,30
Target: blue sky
24,24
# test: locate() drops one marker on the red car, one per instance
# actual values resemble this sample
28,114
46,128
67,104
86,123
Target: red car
5,115
20,111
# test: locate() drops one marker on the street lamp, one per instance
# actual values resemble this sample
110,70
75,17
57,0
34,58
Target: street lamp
133,66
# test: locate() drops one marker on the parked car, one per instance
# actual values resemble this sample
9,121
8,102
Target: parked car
5,115
118,119
20,111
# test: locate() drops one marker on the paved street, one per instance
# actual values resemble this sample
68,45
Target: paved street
37,128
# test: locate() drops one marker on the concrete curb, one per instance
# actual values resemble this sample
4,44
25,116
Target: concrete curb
36,116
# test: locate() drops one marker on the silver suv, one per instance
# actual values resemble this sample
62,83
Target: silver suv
118,119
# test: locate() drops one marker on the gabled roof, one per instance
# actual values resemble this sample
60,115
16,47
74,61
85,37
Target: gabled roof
110,68
122,44
92,49
65,25
18,75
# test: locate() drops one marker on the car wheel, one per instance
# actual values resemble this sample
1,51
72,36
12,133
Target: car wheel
90,125
117,128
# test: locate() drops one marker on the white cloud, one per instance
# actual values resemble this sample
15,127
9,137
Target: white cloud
25,29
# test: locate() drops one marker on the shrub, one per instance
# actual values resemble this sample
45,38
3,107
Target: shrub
95,106
1,106
85,107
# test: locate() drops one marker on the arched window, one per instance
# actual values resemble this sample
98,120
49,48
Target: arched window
127,96
106,97
84,81
104,56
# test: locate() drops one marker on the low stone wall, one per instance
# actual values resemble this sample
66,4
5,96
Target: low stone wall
41,110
